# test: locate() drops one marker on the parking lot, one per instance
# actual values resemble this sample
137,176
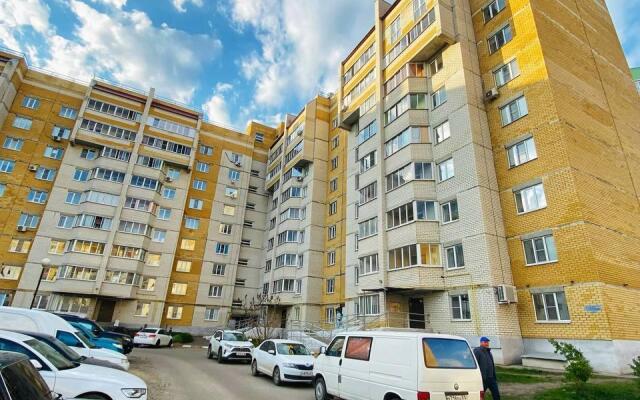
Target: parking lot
186,374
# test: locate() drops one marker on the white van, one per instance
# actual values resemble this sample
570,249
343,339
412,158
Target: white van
22,319
397,364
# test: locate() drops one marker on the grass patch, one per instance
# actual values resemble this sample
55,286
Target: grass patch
508,377
526,371
612,391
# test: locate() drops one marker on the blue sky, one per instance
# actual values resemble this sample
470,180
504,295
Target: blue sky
235,60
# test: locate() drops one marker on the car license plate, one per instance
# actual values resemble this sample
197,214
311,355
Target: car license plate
241,354
307,373
456,397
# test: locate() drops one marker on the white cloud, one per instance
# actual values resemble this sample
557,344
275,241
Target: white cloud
112,3
17,15
215,108
302,44
625,18
179,4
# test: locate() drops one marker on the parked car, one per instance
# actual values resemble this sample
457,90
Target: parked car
41,321
283,360
153,337
229,345
19,380
127,341
104,343
74,380
68,352
397,365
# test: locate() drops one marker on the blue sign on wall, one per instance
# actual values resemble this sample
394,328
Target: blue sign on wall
593,308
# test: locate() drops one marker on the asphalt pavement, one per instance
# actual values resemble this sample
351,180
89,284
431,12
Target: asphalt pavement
186,374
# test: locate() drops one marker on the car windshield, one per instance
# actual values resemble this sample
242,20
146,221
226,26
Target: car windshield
235,337
85,340
292,349
149,330
23,382
53,356
447,353
63,349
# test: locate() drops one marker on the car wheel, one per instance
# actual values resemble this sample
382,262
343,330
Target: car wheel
157,343
96,396
209,352
320,389
277,380
254,368
170,343
220,360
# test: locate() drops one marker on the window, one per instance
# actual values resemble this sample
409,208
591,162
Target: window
334,163
205,150
148,284
438,97
114,110
144,182
259,137
142,309
359,63
335,141
358,348
173,174
12,143
455,256
57,246
329,315
134,228
174,312
66,221
445,170
408,70
368,228
367,162
7,166
42,173
109,175
530,198
28,220
164,213
199,184
367,132
540,250
522,152
166,145
67,112
245,242
231,192
368,264
86,246
218,269
81,175
436,64
460,309
159,235
41,302
61,132
172,127
506,73
394,30
367,305
403,257
22,123
168,193
333,185
234,175
211,314
107,130
153,259
3,188
514,110
331,257
415,101
416,210
222,248
183,266
77,273
492,9
88,154
331,232
202,166
10,272
499,39
188,244
30,102
333,207
19,245
419,8
551,307
331,285
191,223
215,291
283,285
133,253
196,204
335,348
37,196
403,139
450,211
368,193
441,132
225,229
179,289
229,210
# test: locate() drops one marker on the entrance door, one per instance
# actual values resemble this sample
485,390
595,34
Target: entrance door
416,313
105,314
283,319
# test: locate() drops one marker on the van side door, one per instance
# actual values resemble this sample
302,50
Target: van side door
354,370
331,367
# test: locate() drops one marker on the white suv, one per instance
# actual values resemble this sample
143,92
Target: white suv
229,345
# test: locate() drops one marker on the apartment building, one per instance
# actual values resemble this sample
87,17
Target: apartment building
475,173
635,75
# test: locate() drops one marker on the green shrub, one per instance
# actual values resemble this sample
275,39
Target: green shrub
578,369
182,337
635,368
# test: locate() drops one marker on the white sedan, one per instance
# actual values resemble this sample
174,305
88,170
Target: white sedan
283,360
153,337
74,380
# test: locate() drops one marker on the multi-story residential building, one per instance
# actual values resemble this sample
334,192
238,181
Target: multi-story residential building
635,75
476,173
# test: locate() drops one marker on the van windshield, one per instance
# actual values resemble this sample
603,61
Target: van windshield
85,340
447,353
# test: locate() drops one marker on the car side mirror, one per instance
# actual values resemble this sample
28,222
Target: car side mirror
36,364
323,349
272,352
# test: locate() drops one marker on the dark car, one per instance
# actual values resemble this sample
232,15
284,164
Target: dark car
19,380
127,342
68,352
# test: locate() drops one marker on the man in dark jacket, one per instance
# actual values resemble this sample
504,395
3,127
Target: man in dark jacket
487,367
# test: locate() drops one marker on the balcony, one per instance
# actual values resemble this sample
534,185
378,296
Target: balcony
118,290
417,277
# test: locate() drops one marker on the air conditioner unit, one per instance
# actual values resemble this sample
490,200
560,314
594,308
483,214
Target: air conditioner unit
21,228
57,138
492,94
168,179
299,178
237,163
507,294
33,167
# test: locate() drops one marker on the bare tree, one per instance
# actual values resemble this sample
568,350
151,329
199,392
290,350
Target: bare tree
262,316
